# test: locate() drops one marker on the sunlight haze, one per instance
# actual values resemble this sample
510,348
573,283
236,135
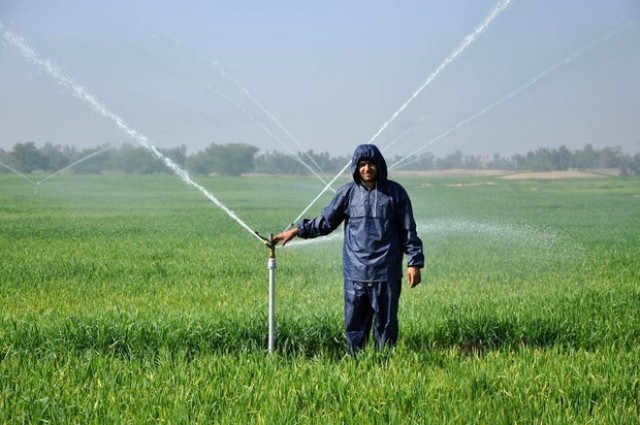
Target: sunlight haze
327,75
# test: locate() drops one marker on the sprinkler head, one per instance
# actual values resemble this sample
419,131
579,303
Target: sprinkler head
269,243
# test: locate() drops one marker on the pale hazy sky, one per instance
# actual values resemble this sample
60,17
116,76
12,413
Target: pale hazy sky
332,72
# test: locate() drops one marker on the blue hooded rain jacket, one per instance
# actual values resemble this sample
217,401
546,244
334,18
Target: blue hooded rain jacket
378,224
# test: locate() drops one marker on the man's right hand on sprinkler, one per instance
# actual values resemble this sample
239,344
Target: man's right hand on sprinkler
286,236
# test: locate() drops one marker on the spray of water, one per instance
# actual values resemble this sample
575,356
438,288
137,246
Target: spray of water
468,40
266,129
512,94
308,207
255,101
525,233
81,93
499,7
75,163
401,136
17,172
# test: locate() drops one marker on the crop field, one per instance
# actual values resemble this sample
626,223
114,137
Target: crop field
134,299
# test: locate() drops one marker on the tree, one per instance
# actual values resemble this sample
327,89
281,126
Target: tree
96,164
453,160
473,163
28,158
234,159
587,158
178,155
323,160
139,160
500,163
630,166
3,158
231,159
561,158
610,157
56,160
200,163
278,163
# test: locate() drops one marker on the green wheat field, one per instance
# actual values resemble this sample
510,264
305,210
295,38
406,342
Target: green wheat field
135,299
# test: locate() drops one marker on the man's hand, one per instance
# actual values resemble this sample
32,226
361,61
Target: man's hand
413,276
286,236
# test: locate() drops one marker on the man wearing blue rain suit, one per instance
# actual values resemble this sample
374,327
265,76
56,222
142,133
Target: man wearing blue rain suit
378,229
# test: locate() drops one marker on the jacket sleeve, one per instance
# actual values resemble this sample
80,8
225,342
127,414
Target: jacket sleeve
411,243
332,216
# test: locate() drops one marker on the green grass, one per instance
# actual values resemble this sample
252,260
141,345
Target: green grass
135,299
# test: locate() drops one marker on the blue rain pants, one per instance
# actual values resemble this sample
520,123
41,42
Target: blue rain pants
368,304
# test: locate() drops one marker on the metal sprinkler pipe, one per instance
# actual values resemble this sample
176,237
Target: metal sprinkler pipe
271,265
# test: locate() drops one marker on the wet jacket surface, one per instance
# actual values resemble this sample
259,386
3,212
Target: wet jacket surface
379,227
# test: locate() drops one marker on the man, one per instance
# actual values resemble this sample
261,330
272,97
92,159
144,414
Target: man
379,228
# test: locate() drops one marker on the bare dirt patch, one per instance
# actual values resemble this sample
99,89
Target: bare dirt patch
453,173
551,175
472,184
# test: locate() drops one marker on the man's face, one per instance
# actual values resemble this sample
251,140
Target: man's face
368,172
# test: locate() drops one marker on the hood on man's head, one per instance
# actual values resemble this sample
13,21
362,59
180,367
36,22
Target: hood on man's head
371,152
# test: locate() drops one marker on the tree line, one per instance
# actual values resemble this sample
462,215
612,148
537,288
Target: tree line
239,158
